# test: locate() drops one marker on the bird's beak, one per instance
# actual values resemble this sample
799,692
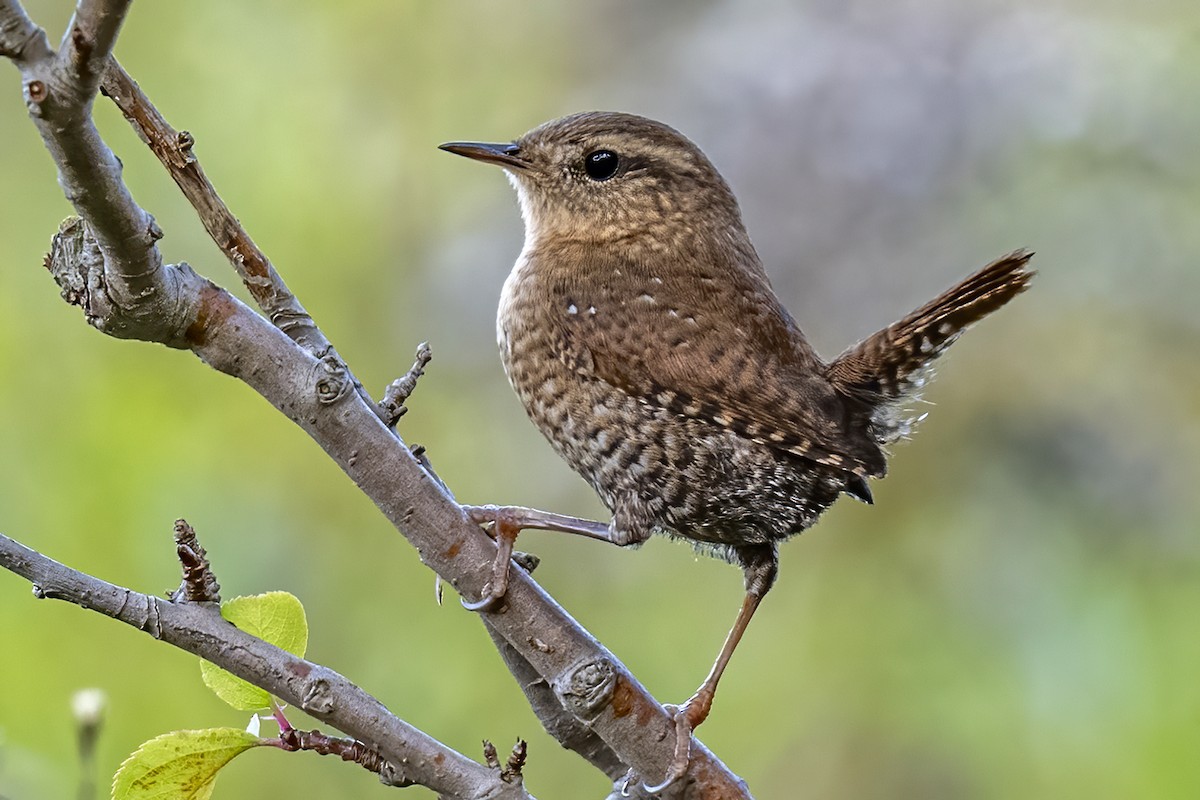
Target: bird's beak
506,155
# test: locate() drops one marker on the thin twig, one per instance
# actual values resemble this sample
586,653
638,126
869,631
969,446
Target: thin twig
175,150
391,407
318,690
352,750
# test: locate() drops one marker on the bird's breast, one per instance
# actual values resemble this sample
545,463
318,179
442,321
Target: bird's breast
530,345
551,371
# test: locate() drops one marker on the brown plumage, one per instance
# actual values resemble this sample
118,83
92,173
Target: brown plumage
641,333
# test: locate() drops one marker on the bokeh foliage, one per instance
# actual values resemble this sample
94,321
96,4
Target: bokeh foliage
1017,615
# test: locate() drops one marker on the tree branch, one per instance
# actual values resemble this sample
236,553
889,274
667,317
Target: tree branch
199,629
175,150
570,732
112,267
59,104
89,41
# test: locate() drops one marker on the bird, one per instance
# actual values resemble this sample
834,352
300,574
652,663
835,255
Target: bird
640,331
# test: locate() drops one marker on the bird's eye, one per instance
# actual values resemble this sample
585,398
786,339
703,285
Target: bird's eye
601,164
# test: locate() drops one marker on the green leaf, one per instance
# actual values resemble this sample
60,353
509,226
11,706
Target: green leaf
275,617
181,765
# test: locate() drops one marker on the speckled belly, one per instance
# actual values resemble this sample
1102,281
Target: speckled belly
659,471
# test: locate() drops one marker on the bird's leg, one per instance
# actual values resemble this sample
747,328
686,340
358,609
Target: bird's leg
508,521
760,565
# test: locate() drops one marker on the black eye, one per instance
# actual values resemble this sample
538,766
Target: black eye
601,165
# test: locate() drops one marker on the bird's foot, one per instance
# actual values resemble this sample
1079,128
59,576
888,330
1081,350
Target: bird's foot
504,523
504,529
687,718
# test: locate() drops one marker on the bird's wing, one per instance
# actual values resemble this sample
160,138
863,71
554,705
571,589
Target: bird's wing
723,350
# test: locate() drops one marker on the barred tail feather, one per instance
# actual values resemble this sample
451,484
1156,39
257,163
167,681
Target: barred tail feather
886,369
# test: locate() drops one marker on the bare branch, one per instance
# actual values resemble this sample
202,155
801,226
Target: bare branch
570,732
199,629
175,150
89,42
59,104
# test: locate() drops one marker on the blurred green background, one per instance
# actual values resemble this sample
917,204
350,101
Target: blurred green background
1017,616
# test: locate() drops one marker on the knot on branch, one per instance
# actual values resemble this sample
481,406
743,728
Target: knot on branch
587,688
391,775
158,311
333,381
318,697
35,94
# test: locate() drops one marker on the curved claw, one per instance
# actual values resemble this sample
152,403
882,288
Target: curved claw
487,602
683,751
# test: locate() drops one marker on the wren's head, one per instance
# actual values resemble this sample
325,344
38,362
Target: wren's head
605,176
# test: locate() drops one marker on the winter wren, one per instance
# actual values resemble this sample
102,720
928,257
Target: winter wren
641,333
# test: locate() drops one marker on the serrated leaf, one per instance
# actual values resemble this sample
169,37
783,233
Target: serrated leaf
276,617
181,765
